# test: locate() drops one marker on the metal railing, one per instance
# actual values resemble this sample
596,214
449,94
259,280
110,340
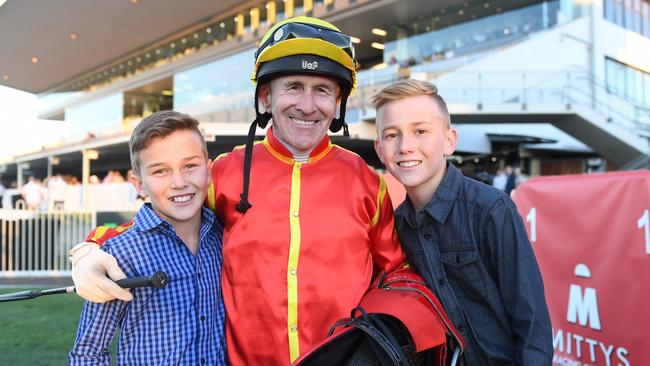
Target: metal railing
37,243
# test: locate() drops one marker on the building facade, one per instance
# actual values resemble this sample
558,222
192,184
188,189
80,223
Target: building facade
515,68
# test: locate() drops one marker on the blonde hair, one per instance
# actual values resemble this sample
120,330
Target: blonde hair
411,88
160,124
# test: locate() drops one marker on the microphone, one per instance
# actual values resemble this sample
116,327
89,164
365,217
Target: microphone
156,280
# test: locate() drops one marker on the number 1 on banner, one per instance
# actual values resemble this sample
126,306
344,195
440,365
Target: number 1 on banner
644,222
532,218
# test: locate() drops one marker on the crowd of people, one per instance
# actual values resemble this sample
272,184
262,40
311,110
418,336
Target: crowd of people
52,193
508,179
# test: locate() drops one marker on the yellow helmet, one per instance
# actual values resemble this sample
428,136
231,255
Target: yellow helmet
307,46
300,45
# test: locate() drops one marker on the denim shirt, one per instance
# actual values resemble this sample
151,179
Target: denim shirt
470,245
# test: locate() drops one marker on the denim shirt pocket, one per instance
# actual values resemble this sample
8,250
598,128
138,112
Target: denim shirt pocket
463,271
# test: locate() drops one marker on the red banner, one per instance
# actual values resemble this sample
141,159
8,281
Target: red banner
591,236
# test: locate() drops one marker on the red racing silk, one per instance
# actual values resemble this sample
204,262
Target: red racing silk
305,253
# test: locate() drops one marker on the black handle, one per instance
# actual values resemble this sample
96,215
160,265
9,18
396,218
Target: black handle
157,280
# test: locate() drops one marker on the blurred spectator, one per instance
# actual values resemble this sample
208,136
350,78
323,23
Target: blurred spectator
71,180
108,178
510,183
2,192
93,179
519,177
117,177
57,190
32,193
500,180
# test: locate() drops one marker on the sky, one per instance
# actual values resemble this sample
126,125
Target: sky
20,130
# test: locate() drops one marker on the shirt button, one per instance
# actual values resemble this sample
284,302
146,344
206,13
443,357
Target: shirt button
293,272
427,236
295,213
441,282
202,360
198,275
202,317
461,328
294,328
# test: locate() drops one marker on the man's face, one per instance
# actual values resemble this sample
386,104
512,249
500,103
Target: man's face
413,139
302,107
174,174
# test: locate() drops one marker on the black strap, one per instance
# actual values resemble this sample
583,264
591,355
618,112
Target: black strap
337,123
385,346
243,204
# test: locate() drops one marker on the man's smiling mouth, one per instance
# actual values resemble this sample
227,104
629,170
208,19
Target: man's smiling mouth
302,122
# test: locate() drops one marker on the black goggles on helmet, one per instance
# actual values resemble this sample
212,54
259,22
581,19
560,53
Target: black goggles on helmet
302,30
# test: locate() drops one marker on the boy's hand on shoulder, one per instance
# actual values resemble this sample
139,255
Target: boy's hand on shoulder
90,267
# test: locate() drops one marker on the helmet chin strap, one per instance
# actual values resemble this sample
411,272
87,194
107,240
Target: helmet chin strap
339,122
261,119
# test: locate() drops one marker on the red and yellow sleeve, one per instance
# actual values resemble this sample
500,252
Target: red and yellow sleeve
102,233
385,247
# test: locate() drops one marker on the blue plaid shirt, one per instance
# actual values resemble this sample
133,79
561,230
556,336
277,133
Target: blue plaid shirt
181,324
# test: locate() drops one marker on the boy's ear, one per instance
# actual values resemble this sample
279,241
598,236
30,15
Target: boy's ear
209,163
137,183
451,137
378,150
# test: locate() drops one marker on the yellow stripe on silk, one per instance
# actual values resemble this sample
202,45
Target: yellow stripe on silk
212,202
278,155
100,232
320,155
123,228
292,266
381,195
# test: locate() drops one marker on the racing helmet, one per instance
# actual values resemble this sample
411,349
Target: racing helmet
304,45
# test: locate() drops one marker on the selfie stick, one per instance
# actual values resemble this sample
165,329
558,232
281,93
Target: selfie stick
157,280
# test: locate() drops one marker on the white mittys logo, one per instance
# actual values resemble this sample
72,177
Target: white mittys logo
583,307
573,349
306,65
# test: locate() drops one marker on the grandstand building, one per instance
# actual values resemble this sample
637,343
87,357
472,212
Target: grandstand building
559,86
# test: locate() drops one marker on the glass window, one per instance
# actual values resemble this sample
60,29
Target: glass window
637,16
629,19
609,10
645,19
646,79
615,77
216,86
471,36
618,12
98,117
636,80
626,81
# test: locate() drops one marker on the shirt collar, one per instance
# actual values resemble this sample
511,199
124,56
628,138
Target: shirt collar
442,202
146,219
278,150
